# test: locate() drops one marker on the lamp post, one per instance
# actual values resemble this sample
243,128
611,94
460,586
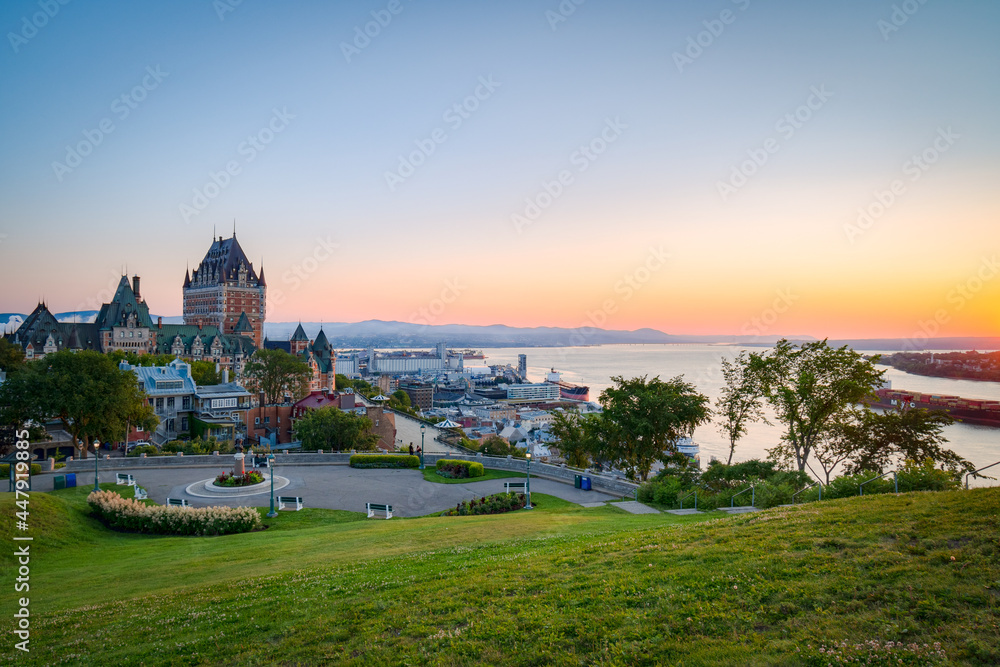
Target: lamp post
527,481
97,457
423,429
270,467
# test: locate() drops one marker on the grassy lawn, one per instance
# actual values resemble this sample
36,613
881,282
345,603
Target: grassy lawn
430,474
556,585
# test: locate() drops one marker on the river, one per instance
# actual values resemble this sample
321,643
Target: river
701,365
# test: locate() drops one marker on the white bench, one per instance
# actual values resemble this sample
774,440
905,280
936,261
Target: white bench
178,502
140,493
513,486
289,500
375,507
124,479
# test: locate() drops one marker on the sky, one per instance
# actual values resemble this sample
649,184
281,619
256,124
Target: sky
712,167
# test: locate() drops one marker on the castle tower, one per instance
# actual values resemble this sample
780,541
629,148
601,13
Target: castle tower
223,288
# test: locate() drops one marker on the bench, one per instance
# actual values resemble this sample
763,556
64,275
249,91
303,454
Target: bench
289,500
124,479
140,493
177,502
513,486
375,507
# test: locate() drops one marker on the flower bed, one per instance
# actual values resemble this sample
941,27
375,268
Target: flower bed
384,461
232,479
130,515
498,503
457,469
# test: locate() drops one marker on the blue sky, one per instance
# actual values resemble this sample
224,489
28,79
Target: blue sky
340,243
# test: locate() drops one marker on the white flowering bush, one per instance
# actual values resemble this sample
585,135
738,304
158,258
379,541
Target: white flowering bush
131,515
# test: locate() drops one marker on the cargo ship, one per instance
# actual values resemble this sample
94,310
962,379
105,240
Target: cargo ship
971,411
468,354
569,391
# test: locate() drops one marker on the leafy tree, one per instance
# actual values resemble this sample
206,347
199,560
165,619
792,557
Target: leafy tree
810,387
401,398
11,356
576,438
85,391
276,373
882,440
203,372
739,404
497,446
330,428
643,421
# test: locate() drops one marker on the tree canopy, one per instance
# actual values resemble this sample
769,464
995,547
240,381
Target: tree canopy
330,428
203,372
576,436
739,404
643,421
276,373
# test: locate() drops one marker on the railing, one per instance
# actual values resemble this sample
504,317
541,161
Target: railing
806,489
753,497
895,481
693,493
975,471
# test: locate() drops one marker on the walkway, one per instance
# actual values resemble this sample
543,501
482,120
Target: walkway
335,487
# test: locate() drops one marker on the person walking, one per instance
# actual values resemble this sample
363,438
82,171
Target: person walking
411,449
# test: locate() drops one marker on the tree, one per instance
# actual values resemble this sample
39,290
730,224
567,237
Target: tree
11,356
575,434
85,391
810,386
203,372
739,404
497,446
643,421
330,428
276,373
882,440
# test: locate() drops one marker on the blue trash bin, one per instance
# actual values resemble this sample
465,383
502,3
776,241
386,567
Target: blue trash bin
70,480
585,484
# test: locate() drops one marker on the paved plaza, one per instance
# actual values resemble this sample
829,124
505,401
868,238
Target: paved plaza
332,487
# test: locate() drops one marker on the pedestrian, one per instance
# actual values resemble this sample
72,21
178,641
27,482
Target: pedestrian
411,449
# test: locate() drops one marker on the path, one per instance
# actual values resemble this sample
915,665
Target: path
335,487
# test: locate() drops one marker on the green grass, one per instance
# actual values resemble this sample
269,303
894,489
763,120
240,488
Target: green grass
430,474
556,585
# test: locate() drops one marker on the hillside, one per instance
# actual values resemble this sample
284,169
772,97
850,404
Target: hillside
556,585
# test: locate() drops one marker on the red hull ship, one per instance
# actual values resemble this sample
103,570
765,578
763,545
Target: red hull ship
567,390
968,410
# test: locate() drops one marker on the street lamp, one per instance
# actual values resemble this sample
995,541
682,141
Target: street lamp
97,457
423,429
270,467
527,482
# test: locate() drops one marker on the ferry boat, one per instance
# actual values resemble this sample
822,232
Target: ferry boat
567,390
690,448
469,354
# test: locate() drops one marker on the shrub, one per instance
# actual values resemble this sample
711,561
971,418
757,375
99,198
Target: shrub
847,485
148,450
131,515
460,469
384,461
498,503
36,469
925,477
232,479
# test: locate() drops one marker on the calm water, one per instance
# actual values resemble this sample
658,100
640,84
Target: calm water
701,365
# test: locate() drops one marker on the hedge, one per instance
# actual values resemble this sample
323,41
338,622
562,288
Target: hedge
471,468
498,503
384,461
128,514
36,469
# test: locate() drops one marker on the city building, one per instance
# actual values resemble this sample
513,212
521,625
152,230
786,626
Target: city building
317,354
224,288
221,410
170,390
532,393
